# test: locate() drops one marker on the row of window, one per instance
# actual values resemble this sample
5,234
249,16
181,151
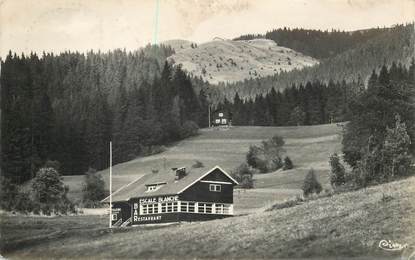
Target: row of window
218,121
187,207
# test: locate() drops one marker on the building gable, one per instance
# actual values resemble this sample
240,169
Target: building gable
217,173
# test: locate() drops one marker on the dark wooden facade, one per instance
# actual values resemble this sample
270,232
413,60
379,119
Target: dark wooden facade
221,118
209,197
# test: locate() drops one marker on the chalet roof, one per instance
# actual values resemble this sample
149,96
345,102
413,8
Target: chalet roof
138,188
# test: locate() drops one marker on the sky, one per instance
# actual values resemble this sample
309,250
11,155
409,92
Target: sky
59,25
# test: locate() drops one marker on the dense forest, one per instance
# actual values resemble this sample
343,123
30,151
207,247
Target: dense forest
355,64
388,100
317,43
313,103
69,106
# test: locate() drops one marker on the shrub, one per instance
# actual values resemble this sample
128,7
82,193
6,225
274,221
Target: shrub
287,204
311,184
94,189
189,128
244,175
288,164
49,192
252,157
198,164
150,150
53,164
267,156
23,203
8,193
337,174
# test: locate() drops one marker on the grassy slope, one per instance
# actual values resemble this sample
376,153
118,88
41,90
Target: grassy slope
349,224
308,146
251,59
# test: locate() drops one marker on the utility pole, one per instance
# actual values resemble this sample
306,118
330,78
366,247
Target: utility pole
209,115
110,223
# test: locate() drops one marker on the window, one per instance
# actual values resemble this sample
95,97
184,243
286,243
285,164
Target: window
208,208
191,207
223,120
217,121
149,209
220,114
184,206
201,208
169,207
215,187
163,207
113,216
219,208
151,187
204,208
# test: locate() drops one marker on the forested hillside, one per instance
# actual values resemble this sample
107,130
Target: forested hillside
310,104
389,45
67,107
317,43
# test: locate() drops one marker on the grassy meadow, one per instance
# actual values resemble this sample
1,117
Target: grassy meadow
344,225
308,147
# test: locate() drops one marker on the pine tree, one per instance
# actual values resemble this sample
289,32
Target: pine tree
297,116
288,164
337,173
396,157
311,184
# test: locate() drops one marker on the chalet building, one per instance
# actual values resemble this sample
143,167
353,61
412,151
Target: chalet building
174,196
221,118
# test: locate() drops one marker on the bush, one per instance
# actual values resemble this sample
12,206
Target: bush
23,203
287,204
94,190
189,128
337,173
8,193
267,156
49,192
311,184
198,164
288,164
244,175
53,164
149,150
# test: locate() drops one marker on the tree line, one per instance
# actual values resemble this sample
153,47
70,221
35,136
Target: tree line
68,107
318,44
309,104
353,64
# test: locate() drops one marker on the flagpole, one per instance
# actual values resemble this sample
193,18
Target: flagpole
110,223
209,115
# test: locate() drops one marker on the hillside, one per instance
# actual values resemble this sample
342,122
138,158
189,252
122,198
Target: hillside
317,43
308,147
345,225
230,61
395,44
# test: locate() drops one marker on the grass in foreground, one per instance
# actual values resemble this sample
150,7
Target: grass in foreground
348,224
